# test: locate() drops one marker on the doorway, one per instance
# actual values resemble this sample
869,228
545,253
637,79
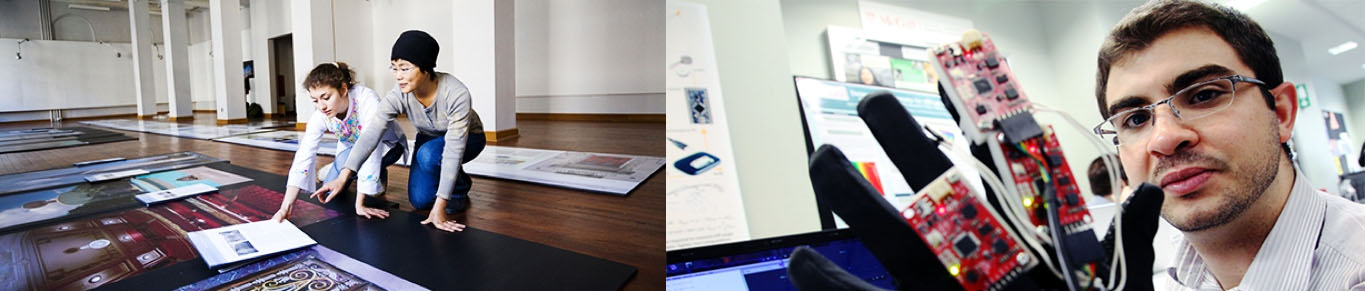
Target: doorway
282,70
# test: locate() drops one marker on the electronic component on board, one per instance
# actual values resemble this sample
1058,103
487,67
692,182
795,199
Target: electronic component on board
979,83
1025,164
966,235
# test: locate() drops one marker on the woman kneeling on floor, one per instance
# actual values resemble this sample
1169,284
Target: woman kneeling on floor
343,108
449,132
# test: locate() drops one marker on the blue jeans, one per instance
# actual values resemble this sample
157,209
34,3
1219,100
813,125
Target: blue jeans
425,175
339,162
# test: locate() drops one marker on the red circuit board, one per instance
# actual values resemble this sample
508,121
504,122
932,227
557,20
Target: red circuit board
1026,174
980,82
967,238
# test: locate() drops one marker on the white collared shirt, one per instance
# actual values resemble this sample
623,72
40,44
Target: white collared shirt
1317,243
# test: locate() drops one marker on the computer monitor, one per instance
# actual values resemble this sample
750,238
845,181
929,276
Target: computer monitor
829,113
762,264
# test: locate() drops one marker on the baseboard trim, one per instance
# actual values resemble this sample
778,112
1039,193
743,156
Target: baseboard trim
506,134
601,117
231,121
189,118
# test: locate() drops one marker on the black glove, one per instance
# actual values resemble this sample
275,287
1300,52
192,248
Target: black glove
1140,215
880,226
811,271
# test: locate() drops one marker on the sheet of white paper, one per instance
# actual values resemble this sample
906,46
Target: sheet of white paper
235,243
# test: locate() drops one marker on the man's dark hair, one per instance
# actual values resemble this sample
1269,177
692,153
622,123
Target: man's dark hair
1099,177
1136,31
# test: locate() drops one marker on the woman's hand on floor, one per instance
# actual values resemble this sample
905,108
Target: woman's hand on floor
438,219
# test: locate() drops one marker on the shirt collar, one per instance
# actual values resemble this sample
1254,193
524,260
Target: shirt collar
1285,257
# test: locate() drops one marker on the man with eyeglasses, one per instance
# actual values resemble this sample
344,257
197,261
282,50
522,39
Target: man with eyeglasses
1195,102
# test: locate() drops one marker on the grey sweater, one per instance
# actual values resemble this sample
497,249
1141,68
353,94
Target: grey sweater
450,114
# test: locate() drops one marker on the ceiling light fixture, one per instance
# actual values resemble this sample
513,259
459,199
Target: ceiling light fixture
1343,47
87,7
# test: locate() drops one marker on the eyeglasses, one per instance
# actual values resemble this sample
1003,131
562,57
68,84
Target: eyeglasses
400,69
1194,102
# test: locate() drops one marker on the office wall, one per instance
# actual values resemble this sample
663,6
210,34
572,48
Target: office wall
765,131
589,56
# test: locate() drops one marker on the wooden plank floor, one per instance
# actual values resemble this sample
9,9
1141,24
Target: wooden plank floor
628,230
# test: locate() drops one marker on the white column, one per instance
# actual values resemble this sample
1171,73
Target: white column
176,35
226,29
143,82
485,60
313,45
263,84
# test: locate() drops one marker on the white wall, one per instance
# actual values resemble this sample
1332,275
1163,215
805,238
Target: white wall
20,19
355,40
392,18
56,74
765,132
69,24
201,59
589,56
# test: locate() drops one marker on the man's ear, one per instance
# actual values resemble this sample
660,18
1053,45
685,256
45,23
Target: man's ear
1286,109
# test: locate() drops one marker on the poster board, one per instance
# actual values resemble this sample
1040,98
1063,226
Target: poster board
704,205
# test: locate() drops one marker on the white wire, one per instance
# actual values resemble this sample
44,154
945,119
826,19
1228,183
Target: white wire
993,181
1107,155
1019,206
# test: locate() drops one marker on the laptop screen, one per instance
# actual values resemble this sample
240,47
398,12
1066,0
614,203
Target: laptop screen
762,264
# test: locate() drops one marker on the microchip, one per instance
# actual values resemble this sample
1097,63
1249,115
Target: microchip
982,86
1000,247
991,62
1020,127
966,245
1011,94
985,230
969,212
1002,79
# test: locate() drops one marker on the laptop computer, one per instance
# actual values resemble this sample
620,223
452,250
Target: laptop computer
762,264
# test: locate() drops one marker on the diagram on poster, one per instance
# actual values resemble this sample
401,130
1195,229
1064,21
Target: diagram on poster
704,204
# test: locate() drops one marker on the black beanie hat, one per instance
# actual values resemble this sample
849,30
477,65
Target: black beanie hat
418,48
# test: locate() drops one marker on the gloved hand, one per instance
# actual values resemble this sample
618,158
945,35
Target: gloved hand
879,225
811,271
1140,215
895,244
